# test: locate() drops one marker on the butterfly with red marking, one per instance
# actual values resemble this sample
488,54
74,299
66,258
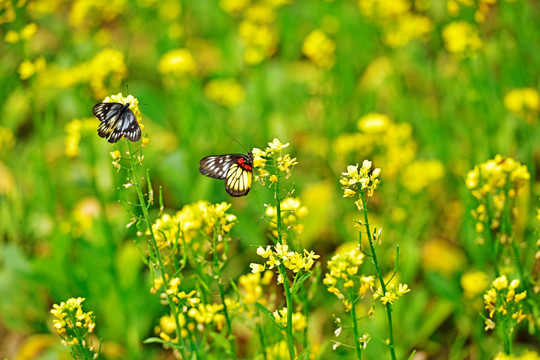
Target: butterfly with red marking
117,120
236,169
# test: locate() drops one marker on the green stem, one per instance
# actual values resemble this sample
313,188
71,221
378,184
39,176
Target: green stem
283,272
157,254
288,298
217,269
80,340
380,276
355,326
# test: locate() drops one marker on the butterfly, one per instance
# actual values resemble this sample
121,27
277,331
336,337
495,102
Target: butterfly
117,120
236,169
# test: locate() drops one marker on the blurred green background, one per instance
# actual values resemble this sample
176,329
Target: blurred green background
425,89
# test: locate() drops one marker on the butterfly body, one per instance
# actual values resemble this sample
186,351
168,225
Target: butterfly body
235,169
117,120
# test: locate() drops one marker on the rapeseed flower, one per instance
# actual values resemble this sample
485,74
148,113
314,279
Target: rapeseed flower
344,277
72,323
299,322
524,103
320,49
280,255
397,20
74,131
226,92
292,212
493,184
461,38
504,305
28,68
388,144
173,231
362,182
282,162
177,62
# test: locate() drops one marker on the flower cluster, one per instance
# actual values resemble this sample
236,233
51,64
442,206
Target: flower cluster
388,144
280,255
177,63
105,70
399,23
191,303
226,92
74,130
504,304
280,164
172,232
482,9
256,27
461,38
392,293
524,103
343,275
292,211
361,181
251,287
320,49
493,184
527,355
421,174
299,322
474,283
72,323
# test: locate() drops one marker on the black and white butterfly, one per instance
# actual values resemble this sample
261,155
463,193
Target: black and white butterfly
236,169
117,120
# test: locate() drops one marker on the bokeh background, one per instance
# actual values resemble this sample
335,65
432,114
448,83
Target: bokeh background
424,89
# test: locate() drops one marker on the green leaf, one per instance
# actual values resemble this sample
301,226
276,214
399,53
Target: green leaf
298,282
269,315
304,354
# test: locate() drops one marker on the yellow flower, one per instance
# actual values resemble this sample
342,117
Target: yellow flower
461,38
177,62
524,103
226,92
69,316
276,145
233,6
474,283
373,123
28,68
502,299
320,49
361,180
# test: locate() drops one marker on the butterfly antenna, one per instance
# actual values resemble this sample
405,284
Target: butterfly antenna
242,145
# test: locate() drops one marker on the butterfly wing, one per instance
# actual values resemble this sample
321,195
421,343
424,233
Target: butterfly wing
117,120
236,169
217,166
238,180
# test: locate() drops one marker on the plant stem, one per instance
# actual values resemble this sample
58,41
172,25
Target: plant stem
79,338
355,326
157,254
283,272
380,276
288,298
217,270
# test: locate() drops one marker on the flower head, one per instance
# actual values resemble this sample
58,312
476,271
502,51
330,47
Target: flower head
71,322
